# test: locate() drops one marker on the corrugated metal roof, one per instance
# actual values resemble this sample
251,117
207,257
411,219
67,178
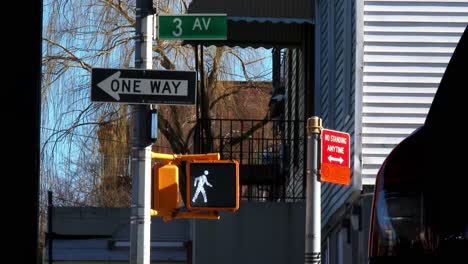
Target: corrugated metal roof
259,23
274,20
268,10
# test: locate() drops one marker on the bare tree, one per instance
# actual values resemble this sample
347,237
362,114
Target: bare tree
85,144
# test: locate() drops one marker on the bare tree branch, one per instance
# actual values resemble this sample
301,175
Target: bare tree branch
119,8
73,57
214,102
244,70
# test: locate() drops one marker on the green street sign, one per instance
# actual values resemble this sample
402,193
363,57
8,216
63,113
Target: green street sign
193,26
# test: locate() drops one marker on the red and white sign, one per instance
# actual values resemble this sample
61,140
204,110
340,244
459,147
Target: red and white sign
335,167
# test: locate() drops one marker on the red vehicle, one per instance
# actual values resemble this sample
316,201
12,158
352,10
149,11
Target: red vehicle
420,206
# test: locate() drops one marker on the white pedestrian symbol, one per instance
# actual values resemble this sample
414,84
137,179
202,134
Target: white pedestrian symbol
201,181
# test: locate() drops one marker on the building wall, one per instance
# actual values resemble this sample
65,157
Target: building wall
108,262
346,240
257,233
335,89
402,49
87,234
407,45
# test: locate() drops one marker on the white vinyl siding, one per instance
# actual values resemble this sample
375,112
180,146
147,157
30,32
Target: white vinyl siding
407,45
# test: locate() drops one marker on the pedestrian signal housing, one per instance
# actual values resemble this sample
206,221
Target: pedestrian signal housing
212,185
165,187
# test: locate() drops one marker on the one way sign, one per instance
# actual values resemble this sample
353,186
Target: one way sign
143,86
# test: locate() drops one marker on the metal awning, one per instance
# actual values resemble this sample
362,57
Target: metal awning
259,23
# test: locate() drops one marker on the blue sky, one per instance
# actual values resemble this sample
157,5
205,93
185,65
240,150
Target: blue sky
70,94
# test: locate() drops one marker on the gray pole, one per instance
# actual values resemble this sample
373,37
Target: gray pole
140,219
202,101
313,209
50,236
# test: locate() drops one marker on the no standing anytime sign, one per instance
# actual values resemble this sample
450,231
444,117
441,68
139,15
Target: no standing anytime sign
335,167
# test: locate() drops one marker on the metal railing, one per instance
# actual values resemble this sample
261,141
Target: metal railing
264,150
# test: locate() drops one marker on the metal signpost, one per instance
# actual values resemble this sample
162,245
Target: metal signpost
327,160
140,217
193,26
143,87
313,208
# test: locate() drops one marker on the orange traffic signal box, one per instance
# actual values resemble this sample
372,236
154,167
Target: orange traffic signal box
165,187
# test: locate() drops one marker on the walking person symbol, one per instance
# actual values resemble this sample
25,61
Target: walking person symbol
201,181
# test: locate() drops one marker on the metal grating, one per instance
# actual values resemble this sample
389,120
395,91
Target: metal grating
262,149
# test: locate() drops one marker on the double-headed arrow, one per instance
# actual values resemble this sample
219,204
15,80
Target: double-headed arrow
115,86
331,158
